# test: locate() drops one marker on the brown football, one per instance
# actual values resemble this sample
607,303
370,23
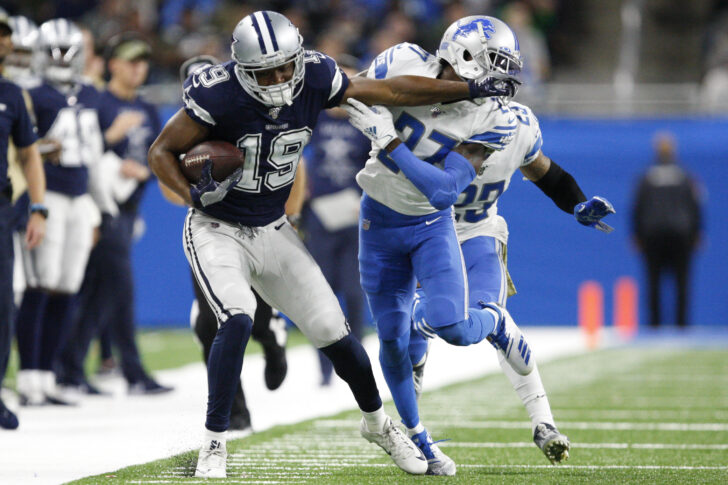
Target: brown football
225,157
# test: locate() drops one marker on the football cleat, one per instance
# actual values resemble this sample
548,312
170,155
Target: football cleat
438,463
276,366
148,387
8,419
553,444
508,339
399,447
212,460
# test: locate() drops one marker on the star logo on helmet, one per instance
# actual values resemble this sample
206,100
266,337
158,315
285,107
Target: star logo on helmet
478,25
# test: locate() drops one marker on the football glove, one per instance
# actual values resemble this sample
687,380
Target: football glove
491,86
591,212
375,122
208,191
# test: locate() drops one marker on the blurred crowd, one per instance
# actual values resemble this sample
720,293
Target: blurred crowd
179,29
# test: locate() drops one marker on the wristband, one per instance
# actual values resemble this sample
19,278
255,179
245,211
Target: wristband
39,209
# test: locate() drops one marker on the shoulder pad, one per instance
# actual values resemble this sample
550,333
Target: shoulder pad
404,59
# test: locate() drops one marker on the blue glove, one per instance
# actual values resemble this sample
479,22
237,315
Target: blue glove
208,191
491,86
591,212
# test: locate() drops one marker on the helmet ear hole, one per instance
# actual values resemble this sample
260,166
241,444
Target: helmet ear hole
467,56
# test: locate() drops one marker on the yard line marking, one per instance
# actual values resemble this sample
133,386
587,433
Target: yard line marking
603,467
584,425
616,446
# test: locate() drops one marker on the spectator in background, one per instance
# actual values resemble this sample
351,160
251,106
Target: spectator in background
15,124
130,125
336,152
667,225
537,63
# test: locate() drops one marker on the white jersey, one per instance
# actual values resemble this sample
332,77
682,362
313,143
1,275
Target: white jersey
428,131
476,210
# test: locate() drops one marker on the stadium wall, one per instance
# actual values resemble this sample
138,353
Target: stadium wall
549,254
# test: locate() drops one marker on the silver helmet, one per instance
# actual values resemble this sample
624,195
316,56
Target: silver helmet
22,60
61,48
265,40
479,46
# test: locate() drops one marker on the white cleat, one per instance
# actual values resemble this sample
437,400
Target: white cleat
508,339
418,372
401,449
212,460
554,444
438,463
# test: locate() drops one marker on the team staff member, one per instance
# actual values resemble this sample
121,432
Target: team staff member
130,125
15,123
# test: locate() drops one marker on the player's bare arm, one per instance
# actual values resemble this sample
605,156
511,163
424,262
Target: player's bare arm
535,170
405,91
179,135
32,164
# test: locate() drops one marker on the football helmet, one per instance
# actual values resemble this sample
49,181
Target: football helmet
61,51
21,62
265,40
194,64
480,46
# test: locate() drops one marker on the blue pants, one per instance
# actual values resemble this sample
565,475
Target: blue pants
487,276
106,302
6,283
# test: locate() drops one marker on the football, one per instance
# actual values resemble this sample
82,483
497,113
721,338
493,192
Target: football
225,157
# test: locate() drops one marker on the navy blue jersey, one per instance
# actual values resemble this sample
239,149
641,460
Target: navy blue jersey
336,153
72,120
272,138
137,141
15,123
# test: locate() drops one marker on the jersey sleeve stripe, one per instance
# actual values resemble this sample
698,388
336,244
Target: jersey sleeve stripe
336,83
270,30
534,151
198,111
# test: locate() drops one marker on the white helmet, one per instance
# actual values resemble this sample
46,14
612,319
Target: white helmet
20,63
61,45
480,46
265,40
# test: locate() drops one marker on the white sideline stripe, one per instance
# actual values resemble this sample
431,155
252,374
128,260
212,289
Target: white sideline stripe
327,465
616,446
608,426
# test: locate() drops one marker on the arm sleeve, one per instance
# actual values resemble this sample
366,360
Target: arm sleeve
441,187
561,187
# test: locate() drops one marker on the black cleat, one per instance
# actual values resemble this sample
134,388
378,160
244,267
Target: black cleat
8,419
240,422
148,387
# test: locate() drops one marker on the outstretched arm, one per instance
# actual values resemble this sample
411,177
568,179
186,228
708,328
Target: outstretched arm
561,187
418,91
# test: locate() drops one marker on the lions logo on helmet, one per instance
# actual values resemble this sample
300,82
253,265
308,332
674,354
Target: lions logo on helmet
61,45
480,46
265,40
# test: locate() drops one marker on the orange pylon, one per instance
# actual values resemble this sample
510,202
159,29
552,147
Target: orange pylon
591,312
625,307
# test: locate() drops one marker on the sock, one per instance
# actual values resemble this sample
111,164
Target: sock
56,323
223,370
215,435
397,370
530,389
415,430
28,328
375,420
352,364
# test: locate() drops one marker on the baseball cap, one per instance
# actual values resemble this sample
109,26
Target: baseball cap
128,46
5,20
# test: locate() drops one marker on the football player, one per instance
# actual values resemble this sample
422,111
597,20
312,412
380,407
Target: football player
266,101
15,126
465,52
67,120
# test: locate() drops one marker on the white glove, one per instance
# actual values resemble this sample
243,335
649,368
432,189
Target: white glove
375,122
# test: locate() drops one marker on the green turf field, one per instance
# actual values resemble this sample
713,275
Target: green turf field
636,416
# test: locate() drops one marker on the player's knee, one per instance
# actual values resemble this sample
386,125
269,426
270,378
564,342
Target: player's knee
441,311
455,334
394,351
392,325
237,327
